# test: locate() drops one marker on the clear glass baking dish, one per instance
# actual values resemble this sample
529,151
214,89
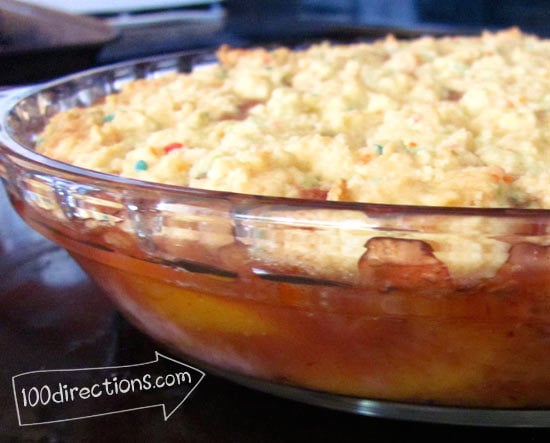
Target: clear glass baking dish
260,290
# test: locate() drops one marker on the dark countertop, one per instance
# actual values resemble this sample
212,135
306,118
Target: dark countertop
53,317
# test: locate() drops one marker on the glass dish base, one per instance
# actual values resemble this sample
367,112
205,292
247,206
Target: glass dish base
447,415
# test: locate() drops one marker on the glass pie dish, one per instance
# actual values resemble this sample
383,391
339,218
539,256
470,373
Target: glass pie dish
346,305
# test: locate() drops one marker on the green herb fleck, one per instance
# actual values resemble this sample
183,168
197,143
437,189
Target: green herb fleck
141,165
108,118
379,149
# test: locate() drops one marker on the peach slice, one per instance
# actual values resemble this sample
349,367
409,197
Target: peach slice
391,263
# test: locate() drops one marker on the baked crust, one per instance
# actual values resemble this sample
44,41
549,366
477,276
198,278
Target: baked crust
455,121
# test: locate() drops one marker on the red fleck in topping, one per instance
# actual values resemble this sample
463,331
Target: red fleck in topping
314,194
365,158
498,174
171,147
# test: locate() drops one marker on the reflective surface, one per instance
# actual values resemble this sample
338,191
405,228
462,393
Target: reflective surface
53,317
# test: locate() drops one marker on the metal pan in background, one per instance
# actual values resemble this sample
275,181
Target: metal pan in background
38,43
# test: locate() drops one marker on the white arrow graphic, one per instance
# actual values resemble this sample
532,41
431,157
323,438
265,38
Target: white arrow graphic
56,395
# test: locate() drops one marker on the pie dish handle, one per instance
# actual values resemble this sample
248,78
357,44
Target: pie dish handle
13,92
9,96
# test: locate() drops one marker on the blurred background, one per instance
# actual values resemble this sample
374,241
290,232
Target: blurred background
84,33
